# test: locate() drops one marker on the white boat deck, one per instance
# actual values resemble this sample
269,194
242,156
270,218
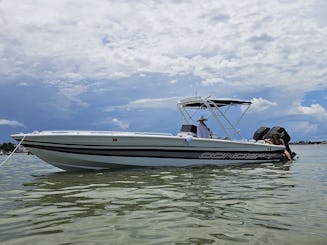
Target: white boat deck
98,133
134,134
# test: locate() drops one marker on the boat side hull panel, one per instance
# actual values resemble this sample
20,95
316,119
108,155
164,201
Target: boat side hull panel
88,150
73,161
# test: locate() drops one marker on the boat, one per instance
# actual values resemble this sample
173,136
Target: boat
100,150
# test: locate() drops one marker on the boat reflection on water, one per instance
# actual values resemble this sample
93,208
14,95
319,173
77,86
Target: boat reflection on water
132,200
96,191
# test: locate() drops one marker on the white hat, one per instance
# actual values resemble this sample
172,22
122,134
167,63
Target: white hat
202,118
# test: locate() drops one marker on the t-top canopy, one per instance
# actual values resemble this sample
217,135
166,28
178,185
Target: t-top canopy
198,102
214,108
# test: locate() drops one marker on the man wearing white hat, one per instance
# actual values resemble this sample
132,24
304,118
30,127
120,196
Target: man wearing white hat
203,131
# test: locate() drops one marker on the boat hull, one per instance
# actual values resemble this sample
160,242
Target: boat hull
98,151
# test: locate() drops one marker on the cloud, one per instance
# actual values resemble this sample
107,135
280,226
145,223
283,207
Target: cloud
214,41
271,50
319,11
65,99
147,103
11,123
260,104
113,122
72,92
259,42
120,124
23,84
212,81
313,109
303,127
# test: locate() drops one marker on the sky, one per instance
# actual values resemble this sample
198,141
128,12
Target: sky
122,65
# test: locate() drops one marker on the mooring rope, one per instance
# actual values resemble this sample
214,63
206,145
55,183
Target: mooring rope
13,151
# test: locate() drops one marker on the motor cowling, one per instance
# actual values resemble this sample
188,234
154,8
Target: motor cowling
284,135
282,132
260,133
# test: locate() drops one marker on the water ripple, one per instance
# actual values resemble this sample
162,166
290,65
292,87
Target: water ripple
264,204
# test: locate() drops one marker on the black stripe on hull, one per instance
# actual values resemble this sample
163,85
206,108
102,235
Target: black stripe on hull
162,153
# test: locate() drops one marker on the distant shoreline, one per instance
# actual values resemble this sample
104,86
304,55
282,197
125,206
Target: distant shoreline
308,142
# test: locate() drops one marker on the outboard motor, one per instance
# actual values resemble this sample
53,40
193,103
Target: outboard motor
282,132
284,135
260,133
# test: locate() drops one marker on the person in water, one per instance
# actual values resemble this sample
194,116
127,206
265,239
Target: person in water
277,140
203,131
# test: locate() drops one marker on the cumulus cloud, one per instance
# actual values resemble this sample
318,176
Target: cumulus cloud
11,123
65,97
23,84
313,109
303,127
120,124
72,92
113,122
228,48
212,81
213,40
260,104
147,103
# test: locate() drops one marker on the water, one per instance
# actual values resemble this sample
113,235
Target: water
265,204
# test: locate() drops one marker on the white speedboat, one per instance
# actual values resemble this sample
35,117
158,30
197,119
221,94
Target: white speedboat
97,150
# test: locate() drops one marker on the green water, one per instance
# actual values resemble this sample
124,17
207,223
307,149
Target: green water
255,204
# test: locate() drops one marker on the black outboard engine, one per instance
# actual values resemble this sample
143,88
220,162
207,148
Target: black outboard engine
284,135
281,131
260,133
